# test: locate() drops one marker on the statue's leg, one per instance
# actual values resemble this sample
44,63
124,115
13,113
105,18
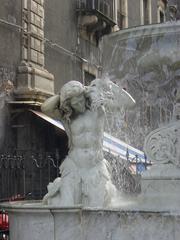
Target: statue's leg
97,188
70,190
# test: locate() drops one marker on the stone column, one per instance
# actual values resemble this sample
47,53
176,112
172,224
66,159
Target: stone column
34,82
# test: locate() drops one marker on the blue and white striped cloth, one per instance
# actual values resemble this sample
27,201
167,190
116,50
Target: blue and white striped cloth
120,148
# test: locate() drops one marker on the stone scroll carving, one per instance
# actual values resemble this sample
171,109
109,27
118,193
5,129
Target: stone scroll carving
163,144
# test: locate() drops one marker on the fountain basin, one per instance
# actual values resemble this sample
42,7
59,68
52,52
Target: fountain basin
146,61
32,220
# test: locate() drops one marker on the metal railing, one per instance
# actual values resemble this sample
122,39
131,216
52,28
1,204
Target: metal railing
106,7
122,175
26,176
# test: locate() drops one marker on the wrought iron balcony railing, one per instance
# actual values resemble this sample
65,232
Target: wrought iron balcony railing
104,7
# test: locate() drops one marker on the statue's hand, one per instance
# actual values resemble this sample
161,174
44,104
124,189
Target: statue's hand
94,97
53,189
97,104
111,96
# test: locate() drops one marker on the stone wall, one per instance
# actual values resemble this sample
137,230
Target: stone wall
64,47
74,223
10,36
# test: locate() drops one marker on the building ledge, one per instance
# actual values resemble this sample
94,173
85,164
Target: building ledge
31,103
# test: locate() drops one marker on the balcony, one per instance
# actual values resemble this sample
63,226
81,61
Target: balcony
98,16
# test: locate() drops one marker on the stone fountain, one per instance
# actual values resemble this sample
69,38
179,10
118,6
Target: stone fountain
83,203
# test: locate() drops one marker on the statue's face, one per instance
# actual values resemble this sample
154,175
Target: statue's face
94,90
78,103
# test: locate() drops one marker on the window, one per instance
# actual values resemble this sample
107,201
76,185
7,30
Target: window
88,77
122,13
146,12
146,16
162,4
90,72
161,16
105,8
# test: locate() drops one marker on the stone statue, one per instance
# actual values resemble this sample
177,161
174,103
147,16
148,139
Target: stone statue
172,11
85,174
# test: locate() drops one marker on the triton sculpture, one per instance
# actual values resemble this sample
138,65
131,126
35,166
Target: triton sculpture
85,175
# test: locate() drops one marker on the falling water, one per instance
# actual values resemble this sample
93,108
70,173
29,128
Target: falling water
145,60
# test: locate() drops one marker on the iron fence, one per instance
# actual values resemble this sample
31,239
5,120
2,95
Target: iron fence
26,176
122,176
106,7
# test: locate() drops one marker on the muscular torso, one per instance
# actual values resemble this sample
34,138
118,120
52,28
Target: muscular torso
87,138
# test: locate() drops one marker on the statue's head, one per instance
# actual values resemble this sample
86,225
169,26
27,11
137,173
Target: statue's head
71,89
72,97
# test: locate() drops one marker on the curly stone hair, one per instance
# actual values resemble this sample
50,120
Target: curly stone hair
69,90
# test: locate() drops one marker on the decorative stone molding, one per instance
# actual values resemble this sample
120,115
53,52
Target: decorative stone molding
30,220
161,184
33,84
33,81
162,145
148,31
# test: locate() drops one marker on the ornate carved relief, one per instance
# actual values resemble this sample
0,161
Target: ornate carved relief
163,144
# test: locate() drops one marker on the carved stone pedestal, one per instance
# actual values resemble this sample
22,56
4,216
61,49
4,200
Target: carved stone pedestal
161,184
161,191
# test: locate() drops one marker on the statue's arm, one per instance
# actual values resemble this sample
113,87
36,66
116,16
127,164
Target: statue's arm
51,107
119,97
106,93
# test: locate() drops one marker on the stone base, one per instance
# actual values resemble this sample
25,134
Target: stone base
160,187
33,84
33,221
